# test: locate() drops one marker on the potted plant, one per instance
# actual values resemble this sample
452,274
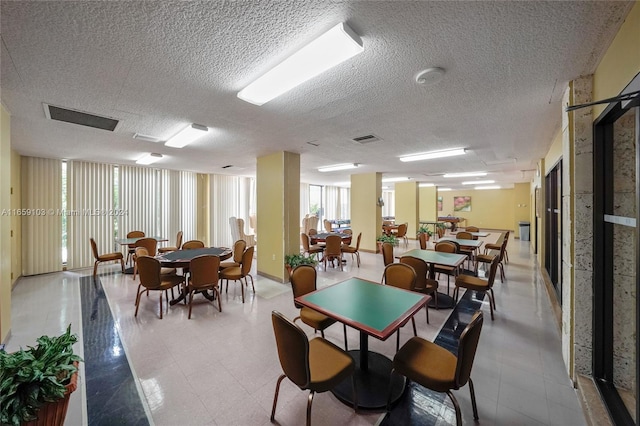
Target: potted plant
386,238
293,260
36,383
424,230
440,229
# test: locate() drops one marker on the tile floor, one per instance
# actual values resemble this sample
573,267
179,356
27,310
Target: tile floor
221,368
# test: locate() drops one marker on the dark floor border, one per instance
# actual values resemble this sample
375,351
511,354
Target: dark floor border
112,395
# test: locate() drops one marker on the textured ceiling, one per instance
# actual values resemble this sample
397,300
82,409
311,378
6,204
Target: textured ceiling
157,66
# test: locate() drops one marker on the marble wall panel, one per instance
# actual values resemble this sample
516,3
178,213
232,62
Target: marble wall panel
583,319
583,119
624,250
583,223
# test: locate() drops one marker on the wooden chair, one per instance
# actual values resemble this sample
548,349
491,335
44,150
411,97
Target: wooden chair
152,280
303,281
422,239
488,256
497,246
203,276
192,244
151,245
107,257
174,248
469,251
446,247
353,250
403,276
332,250
132,247
478,284
401,233
387,253
309,249
238,250
317,365
423,284
240,273
435,368
328,226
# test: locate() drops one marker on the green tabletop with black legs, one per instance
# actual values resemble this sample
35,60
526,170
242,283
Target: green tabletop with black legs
375,310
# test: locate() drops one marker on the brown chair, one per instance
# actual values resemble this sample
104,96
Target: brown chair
422,239
303,281
402,276
478,284
387,253
423,284
238,250
192,244
472,229
437,369
402,233
203,276
317,365
446,247
174,248
469,251
142,251
107,257
240,273
151,280
488,256
151,245
132,247
333,250
353,250
309,249
328,226
497,246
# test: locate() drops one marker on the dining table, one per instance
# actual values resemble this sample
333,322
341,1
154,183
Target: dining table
434,258
322,237
129,241
182,258
374,310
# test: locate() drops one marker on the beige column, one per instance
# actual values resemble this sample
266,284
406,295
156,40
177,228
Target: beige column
278,212
5,224
366,214
203,213
428,203
407,206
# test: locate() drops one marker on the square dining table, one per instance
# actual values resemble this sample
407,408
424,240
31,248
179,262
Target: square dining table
374,310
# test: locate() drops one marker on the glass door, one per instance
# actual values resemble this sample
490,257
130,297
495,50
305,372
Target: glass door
553,230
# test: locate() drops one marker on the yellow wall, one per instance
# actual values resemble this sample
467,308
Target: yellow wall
407,206
554,154
428,202
16,221
490,208
5,224
366,215
278,212
620,63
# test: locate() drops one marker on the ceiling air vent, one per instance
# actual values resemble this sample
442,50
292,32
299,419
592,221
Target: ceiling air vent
227,166
80,118
147,138
363,140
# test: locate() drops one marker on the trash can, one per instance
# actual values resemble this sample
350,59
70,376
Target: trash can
524,230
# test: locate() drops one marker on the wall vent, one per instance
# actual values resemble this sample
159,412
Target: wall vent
363,140
80,118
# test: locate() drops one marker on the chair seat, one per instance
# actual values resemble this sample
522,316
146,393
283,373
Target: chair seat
110,256
438,374
328,364
231,273
348,249
486,258
472,283
169,281
167,271
315,319
229,264
166,249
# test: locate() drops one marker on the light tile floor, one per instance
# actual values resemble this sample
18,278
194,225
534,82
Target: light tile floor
221,368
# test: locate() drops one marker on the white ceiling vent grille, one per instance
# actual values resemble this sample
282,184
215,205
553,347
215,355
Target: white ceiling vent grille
147,138
80,118
363,140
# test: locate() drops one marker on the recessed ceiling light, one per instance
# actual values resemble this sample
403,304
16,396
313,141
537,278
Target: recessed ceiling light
433,154
478,182
467,174
430,76
187,135
395,179
331,48
149,158
336,167
444,189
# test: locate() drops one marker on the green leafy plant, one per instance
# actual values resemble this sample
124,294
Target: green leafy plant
297,259
424,230
30,378
384,238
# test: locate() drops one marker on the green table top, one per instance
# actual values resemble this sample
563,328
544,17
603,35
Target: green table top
464,242
437,257
127,241
375,309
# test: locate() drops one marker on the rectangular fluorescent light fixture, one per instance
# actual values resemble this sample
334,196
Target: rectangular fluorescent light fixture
331,48
444,189
395,179
338,167
467,174
149,158
433,154
488,187
342,184
187,135
426,185
478,182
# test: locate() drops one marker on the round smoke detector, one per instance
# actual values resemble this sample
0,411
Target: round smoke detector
430,75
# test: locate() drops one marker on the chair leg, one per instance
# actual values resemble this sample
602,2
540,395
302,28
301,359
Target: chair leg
242,290
501,272
493,299
190,303
321,333
275,397
358,257
457,407
121,265
160,305
490,303
311,393
95,268
217,293
138,300
413,322
473,399
344,326
398,340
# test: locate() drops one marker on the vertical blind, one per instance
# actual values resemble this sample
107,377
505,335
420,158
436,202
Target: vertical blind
42,227
229,196
389,208
139,200
90,202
